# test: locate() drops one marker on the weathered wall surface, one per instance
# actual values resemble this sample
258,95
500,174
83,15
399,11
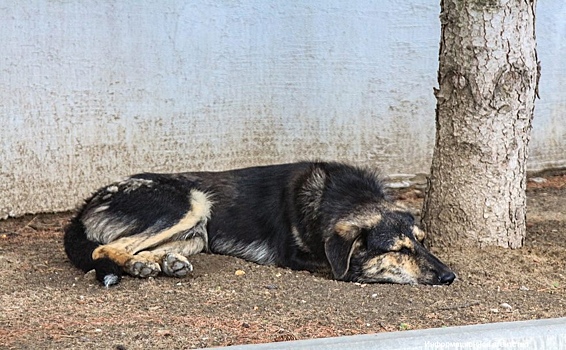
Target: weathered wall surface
91,91
548,143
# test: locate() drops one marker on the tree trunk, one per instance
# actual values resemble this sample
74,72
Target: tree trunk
488,78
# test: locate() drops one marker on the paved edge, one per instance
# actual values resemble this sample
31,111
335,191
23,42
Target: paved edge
524,335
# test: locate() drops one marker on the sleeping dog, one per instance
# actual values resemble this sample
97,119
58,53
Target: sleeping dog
315,216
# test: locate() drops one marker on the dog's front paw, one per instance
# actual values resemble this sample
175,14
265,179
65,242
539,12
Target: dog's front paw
176,265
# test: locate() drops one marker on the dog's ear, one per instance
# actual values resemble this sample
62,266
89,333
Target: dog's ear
340,246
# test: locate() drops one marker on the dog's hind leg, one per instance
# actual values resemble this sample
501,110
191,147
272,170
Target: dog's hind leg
143,255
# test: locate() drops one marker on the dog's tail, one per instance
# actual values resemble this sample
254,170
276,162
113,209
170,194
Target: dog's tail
79,249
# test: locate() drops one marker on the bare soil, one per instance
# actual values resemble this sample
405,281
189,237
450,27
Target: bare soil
48,304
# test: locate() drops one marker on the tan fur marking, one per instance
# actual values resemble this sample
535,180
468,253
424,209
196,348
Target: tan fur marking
401,243
419,234
393,267
368,221
346,230
149,255
349,228
406,262
184,248
118,255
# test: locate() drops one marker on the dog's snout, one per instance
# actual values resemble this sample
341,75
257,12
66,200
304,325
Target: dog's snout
447,277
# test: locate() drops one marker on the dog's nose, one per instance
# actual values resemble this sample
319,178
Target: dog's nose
447,277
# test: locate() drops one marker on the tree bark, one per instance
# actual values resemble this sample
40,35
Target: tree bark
488,78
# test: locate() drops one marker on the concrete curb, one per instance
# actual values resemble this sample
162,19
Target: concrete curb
547,334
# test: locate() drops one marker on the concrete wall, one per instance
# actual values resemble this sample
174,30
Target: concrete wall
94,90
548,143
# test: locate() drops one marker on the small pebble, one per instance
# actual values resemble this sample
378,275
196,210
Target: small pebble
538,180
240,272
506,306
494,310
524,288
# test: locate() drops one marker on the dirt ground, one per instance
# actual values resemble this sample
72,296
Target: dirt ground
48,304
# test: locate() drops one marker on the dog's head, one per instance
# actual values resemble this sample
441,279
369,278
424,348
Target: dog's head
383,246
